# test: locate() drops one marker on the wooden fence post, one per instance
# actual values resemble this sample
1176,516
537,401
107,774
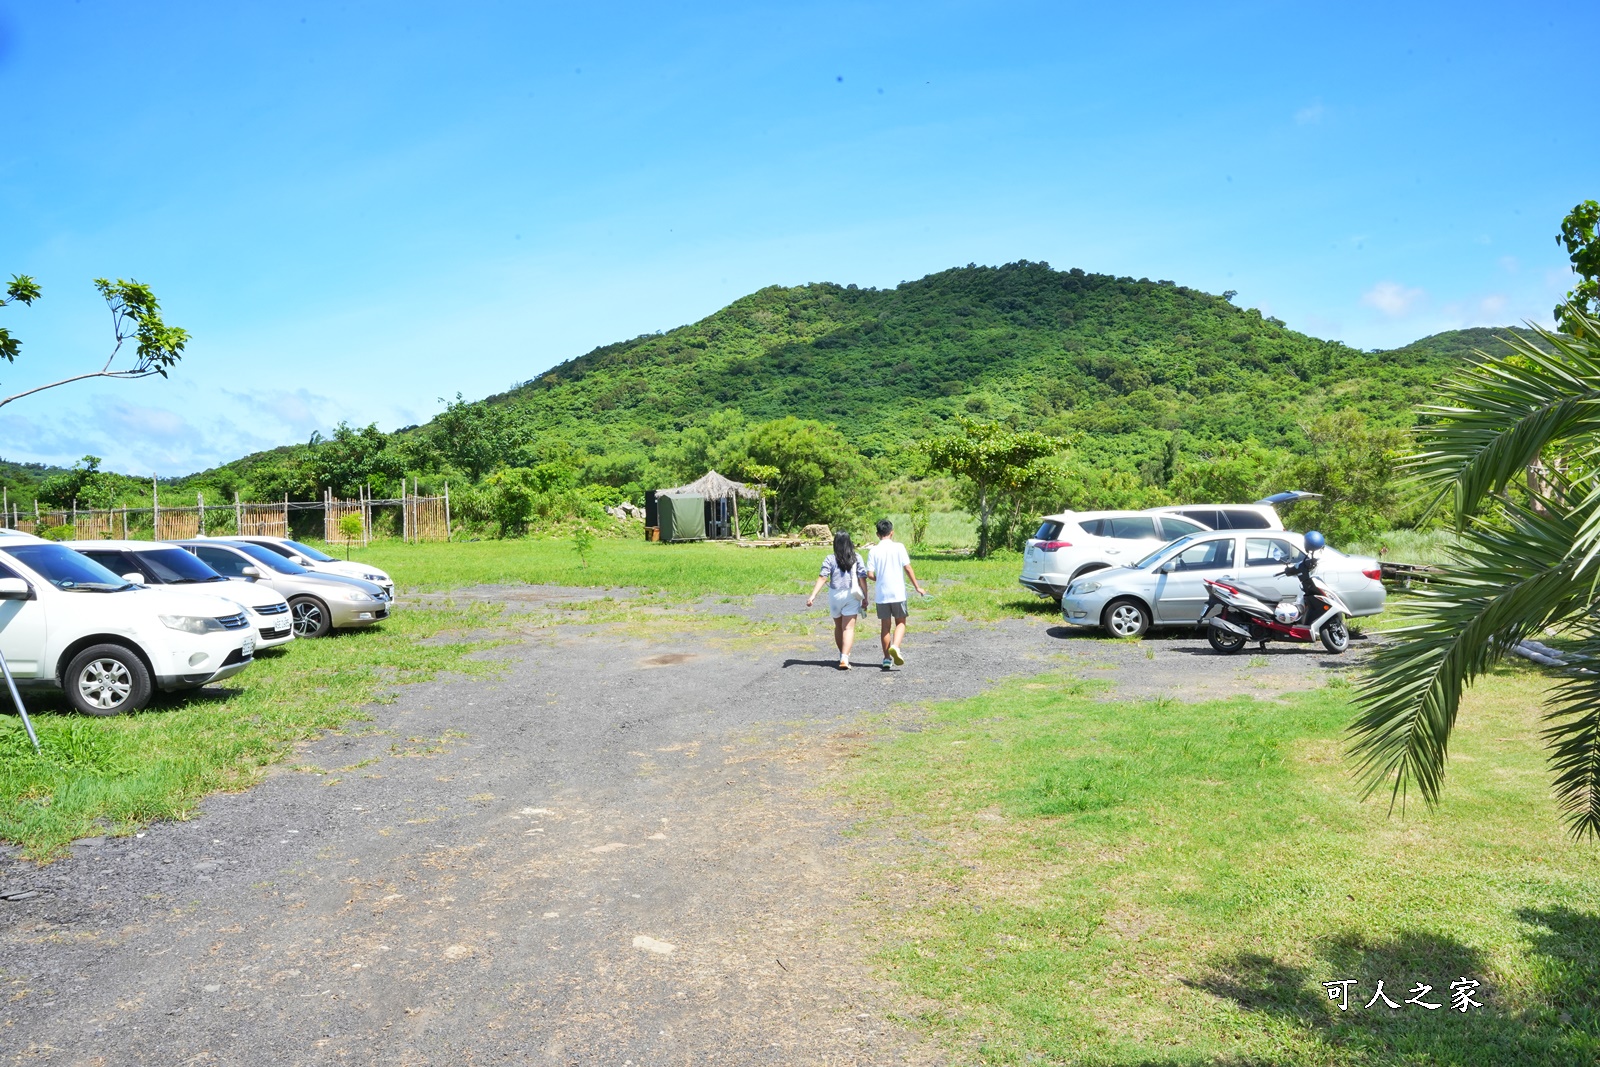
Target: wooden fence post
124,523
286,514
447,511
238,516
200,502
155,509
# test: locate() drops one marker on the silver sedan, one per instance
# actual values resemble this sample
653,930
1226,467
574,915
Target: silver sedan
1167,587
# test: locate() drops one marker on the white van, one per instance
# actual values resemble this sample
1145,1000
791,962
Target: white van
68,623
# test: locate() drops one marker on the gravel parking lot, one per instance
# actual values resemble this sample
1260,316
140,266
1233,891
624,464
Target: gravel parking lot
612,853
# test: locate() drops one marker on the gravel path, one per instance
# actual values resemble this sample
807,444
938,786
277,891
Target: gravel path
610,854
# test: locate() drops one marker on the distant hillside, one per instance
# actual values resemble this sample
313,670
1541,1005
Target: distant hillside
1064,351
1120,364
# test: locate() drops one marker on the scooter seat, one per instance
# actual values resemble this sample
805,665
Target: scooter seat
1262,593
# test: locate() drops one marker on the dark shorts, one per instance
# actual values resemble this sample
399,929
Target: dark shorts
893,610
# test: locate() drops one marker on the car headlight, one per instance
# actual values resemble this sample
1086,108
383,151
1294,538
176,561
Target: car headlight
380,578
356,596
192,624
1085,587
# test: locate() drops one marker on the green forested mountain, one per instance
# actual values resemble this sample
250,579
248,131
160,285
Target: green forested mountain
1147,379
1118,362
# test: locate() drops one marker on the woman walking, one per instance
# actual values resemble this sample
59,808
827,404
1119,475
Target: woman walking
846,578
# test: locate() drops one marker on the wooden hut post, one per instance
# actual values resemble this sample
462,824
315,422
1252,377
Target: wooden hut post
736,516
766,531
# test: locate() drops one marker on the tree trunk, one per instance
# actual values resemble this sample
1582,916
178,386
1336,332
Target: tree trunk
983,521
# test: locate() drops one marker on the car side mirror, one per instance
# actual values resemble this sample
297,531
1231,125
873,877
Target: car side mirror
135,577
299,559
15,589
250,572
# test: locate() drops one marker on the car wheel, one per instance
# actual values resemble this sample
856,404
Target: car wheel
1125,618
1335,635
107,680
1224,641
310,617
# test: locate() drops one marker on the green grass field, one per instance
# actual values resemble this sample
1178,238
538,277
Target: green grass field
1085,882
960,586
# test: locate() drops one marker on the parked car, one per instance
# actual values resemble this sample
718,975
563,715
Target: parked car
1167,587
68,623
1071,544
317,560
155,563
318,603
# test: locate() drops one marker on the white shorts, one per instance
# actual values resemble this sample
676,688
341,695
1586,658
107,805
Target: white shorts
846,603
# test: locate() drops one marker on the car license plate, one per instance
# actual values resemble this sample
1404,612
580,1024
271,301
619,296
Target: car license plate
249,646
281,628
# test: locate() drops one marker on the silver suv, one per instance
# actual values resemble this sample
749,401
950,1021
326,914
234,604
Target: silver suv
318,603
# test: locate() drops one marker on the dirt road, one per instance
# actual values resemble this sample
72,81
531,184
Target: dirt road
609,855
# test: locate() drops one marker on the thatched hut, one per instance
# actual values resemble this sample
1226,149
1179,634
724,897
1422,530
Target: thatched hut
719,496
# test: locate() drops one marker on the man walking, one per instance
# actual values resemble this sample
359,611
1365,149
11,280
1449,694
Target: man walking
889,565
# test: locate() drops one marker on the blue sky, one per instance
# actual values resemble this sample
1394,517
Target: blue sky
358,209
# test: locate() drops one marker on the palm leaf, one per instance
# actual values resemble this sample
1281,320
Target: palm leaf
1504,412
1574,737
1510,579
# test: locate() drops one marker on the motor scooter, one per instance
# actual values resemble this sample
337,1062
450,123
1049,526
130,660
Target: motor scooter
1237,614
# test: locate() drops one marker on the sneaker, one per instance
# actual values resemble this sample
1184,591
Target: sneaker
894,654
887,663
844,665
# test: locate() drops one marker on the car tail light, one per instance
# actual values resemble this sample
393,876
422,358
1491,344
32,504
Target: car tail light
1051,546
1375,574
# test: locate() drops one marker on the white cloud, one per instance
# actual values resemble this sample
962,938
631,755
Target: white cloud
299,410
1492,306
1392,298
1310,114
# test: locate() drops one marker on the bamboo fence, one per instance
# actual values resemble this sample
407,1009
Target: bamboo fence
419,518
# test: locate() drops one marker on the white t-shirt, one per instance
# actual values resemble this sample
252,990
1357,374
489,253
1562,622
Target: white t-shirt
888,560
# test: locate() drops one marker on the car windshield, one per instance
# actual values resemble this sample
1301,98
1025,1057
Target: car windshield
314,554
174,566
1160,553
66,569
281,564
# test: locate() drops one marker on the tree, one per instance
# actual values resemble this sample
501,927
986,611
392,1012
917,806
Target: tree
135,316
992,458
475,438
351,527
1520,569
1579,237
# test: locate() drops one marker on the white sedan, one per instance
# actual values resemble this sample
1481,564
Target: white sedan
1167,587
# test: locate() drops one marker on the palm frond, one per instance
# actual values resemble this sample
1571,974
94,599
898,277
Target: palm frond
1499,416
1573,735
1510,579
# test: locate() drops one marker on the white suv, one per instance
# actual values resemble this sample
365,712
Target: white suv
1076,542
68,623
